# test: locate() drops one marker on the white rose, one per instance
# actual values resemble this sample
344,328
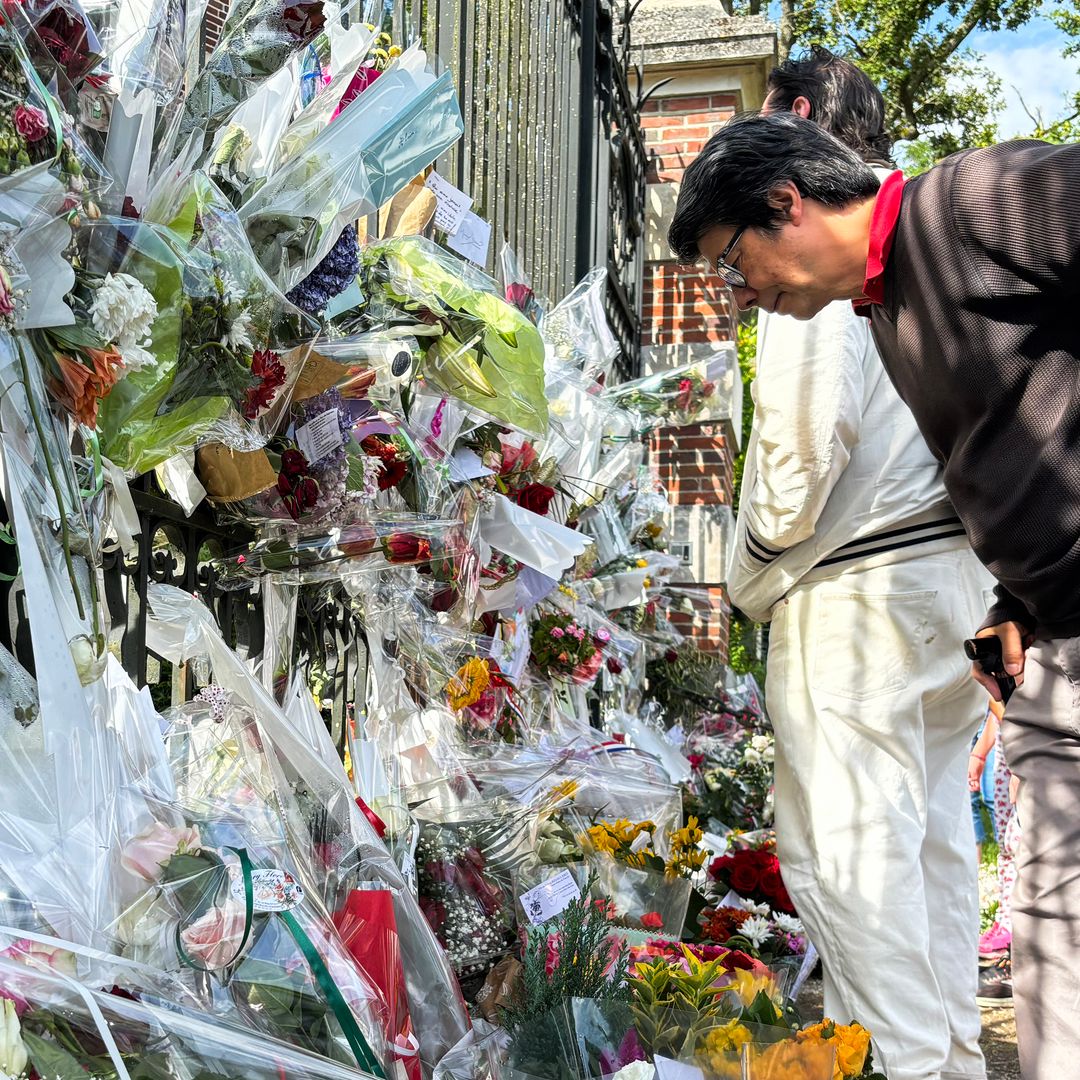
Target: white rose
636,1070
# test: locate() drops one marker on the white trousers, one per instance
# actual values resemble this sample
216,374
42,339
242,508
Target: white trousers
874,711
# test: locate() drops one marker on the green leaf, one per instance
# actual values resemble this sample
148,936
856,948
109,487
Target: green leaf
50,1060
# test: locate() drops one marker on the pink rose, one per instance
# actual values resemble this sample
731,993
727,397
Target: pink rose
30,123
37,955
517,454
557,632
147,853
214,940
7,299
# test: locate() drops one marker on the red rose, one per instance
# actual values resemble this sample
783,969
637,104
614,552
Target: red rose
307,492
651,920
30,123
696,760
519,295
744,878
445,597
614,665
357,540
434,912
406,547
284,485
736,959
720,867
536,497
772,886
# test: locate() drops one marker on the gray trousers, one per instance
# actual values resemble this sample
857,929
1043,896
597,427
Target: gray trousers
1041,735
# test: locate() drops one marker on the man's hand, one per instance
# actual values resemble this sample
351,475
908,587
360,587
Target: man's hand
1013,648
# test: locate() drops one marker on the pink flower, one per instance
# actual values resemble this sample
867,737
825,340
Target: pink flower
36,955
552,960
651,920
214,940
7,300
30,123
587,670
147,853
557,632
517,454
603,635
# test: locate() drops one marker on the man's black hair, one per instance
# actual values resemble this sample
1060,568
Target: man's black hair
842,99
729,183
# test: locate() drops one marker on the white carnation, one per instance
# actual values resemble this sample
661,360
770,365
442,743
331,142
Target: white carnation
636,1070
757,930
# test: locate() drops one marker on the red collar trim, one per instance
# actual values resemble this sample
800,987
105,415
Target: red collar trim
882,232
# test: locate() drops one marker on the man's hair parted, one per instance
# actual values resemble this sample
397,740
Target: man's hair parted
730,182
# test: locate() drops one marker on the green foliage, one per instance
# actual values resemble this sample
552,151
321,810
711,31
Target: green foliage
746,344
744,655
572,955
684,681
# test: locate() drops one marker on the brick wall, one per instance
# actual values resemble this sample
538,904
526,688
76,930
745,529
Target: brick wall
685,307
216,13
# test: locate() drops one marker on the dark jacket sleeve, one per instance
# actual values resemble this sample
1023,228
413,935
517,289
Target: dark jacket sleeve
1007,608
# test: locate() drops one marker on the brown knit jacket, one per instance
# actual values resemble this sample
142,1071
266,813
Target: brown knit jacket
980,333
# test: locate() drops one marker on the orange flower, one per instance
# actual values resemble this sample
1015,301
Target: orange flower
82,385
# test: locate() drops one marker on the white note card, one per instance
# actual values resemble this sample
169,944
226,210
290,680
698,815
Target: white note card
472,239
319,436
451,205
550,897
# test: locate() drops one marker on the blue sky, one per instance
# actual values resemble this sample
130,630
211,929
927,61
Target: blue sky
1030,65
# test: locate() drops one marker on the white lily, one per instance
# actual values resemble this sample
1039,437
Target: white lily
13,1055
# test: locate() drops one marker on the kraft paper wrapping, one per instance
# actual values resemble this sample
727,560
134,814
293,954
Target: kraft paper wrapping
230,475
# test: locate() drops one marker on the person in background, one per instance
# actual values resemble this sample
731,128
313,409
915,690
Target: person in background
969,276
987,761
846,540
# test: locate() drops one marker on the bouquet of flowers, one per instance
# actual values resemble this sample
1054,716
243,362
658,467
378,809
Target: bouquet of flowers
684,395
563,649
754,874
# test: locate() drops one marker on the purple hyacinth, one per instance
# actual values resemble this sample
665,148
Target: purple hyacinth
331,277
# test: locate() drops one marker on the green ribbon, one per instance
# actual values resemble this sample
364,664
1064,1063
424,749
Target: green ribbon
249,916
365,1058
357,1043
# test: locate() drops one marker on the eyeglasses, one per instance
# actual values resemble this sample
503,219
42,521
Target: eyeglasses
730,275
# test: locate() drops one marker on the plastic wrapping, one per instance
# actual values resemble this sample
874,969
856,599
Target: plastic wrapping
66,1029
225,346
400,124
181,628
576,330
488,354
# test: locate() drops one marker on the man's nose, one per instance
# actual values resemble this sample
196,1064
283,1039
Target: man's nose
745,297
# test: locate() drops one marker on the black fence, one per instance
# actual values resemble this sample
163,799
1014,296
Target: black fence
552,154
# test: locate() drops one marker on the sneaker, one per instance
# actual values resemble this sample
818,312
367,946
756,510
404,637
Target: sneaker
995,985
994,942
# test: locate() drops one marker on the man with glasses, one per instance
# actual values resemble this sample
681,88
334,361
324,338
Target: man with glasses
969,277
846,540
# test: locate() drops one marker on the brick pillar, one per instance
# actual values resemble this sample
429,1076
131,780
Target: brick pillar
687,315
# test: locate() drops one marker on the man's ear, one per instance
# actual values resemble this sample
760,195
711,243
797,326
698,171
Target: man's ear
801,107
786,199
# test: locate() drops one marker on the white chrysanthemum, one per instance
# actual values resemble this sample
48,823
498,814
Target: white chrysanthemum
757,930
762,910
135,356
123,309
636,1070
787,924
238,337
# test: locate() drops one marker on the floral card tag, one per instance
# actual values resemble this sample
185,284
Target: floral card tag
320,436
550,898
275,890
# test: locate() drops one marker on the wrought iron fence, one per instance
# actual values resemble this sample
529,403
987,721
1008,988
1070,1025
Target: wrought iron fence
552,154
554,158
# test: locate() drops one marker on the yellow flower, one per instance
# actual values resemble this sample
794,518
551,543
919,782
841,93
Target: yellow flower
566,790
789,1060
642,563
747,986
468,685
851,1042
729,1036
395,50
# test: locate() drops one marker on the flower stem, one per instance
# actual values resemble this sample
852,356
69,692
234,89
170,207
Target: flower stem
65,534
